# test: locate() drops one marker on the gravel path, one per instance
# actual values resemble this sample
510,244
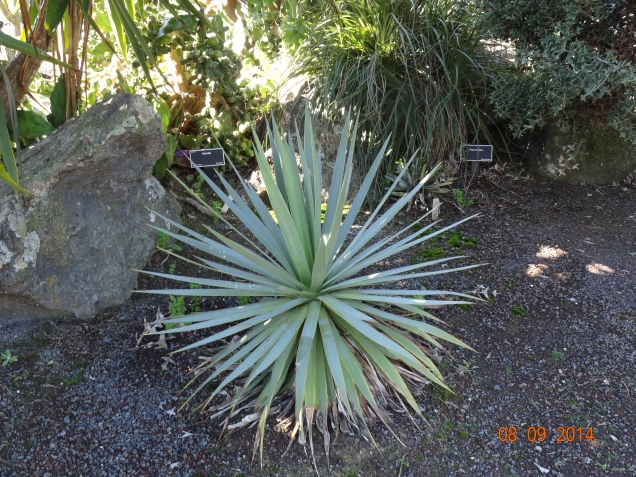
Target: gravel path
556,348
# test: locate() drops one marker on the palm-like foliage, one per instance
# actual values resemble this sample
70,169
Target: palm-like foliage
326,331
69,22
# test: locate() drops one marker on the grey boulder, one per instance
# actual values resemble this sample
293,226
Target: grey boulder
70,247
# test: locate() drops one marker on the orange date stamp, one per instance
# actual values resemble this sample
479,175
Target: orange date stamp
540,434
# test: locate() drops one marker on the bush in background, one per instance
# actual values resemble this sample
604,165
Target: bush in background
573,59
415,70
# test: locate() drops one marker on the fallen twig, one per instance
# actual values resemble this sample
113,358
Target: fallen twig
199,207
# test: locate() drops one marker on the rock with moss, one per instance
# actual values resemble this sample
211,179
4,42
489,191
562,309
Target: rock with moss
69,248
583,152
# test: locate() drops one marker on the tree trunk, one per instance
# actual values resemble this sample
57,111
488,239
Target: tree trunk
22,68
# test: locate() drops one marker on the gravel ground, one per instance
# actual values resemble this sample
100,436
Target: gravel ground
555,348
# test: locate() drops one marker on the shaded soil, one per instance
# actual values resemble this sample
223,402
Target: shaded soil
556,348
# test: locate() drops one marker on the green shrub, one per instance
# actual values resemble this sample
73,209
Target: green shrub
414,69
319,332
572,60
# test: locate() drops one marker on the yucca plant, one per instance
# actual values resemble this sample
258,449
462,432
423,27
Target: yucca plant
327,335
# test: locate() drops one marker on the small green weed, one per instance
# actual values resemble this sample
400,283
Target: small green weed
195,301
517,310
198,182
401,461
455,239
470,242
244,300
441,393
466,307
467,367
163,242
217,206
177,306
507,283
172,268
461,199
15,377
557,355
77,378
162,239
7,357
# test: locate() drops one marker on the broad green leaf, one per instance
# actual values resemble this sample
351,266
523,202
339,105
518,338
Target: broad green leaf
328,334
165,161
9,180
58,103
293,324
270,237
320,268
32,125
322,374
352,367
8,165
28,49
10,169
235,272
117,27
257,356
360,196
123,84
309,331
183,22
54,12
335,189
163,110
195,9
248,345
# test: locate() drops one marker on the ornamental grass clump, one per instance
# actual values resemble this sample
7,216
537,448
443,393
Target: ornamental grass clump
417,69
327,341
